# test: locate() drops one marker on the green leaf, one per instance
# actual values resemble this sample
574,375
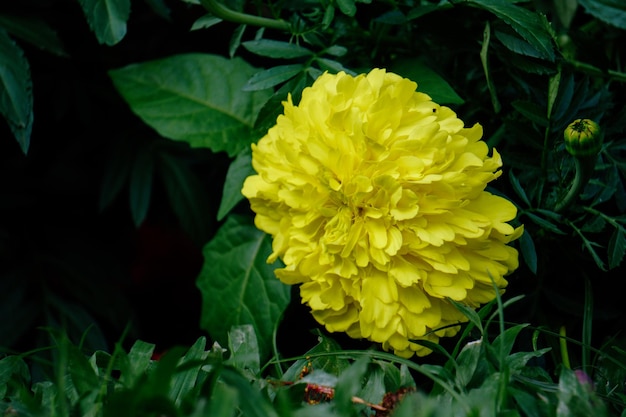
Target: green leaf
347,7
276,49
516,44
272,77
107,19
529,25
238,286
187,197
617,247
504,342
194,98
244,349
332,65
238,171
428,81
315,359
519,190
468,362
16,98
134,364
529,252
349,384
612,12
141,187
34,31
184,381
531,111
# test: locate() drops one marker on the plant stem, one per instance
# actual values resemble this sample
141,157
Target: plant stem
563,344
584,168
223,12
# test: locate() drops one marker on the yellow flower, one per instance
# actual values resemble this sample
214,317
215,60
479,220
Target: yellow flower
375,198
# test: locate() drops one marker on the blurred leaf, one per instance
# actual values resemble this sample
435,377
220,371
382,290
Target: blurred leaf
612,12
529,25
187,197
428,81
374,389
195,98
517,187
159,7
244,349
274,107
235,40
543,222
117,170
503,343
532,111
276,49
347,7
238,286
12,368
141,187
349,384
529,252
34,31
332,66
336,50
238,171
107,18
16,98
617,247
224,402
272,77
205,22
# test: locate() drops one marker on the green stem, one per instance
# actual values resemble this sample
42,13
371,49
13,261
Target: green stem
563,344
224,13
584,168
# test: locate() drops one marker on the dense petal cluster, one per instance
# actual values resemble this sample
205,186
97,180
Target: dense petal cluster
375,198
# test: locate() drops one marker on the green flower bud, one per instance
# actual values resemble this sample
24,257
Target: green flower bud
583,137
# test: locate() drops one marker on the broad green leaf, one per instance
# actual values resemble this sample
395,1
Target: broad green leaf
16,97
276,49
107,19
238,171
238,286
617,247
34,31
612,12
272,77
428,81
194,98
529,25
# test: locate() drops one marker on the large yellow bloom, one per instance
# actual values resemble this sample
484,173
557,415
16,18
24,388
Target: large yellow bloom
375,198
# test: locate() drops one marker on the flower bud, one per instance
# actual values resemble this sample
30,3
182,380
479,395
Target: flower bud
583,137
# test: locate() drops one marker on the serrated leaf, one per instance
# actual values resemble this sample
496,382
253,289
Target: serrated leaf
516,44
617,247
428,81
16,98
526,23
34,31
276,49
238,171
238,286
612,12
107,19
194,98
272,77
